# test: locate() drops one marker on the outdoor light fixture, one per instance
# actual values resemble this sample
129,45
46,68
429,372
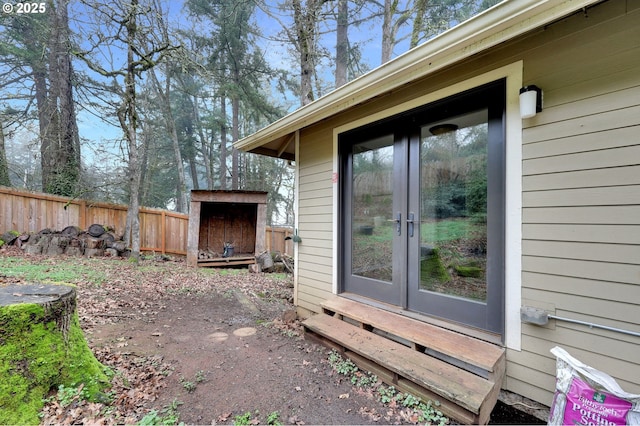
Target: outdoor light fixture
441,129
530,101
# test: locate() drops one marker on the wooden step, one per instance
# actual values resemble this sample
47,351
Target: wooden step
462,373
474,355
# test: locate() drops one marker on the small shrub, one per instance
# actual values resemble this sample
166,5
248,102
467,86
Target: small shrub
346,367
386,394
274,419
168,416
242,419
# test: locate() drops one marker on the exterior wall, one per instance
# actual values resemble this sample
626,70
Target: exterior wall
580,180
581,199
315,219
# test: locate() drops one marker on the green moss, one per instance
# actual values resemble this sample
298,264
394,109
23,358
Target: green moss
36,357
469,271
432,268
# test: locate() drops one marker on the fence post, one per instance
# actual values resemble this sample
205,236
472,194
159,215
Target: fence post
83,215
163,230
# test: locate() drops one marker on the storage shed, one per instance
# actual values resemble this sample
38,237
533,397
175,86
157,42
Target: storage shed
226,228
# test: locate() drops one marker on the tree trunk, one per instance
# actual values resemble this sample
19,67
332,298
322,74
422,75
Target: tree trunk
63,144
128,121
223,143
4,166
420,9
167,114
235,132
43,348
206,152
390,28
305,25
387,25
342,43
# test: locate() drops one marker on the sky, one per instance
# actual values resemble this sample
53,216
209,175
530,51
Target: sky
276,52
101,135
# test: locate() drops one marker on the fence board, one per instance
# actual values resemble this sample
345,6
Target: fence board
161,231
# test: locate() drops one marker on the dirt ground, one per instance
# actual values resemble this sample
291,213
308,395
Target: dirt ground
213,345
226,360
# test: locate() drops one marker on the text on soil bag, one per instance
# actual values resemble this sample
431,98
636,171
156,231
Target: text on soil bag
586,406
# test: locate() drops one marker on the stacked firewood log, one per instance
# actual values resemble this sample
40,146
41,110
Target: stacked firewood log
97,240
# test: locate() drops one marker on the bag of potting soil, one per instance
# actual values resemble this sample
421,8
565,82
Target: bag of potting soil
586,396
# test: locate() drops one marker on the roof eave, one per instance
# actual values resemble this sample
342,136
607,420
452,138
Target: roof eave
501,23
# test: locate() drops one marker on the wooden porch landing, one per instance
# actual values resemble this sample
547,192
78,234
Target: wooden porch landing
463,373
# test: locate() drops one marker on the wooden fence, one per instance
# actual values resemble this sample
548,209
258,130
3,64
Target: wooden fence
161,231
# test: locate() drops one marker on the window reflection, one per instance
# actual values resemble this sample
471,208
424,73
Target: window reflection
372,207
453,206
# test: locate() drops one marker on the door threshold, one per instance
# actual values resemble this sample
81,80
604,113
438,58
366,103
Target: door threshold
458,328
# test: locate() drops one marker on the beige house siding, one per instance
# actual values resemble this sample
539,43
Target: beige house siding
580,199
581,202
315,219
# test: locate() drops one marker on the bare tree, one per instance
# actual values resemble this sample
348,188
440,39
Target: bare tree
142,54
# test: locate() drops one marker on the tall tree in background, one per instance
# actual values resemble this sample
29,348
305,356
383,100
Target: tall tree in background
305,39
60,153
190,108
164,97
239,70
128,118
432,17
37,48
342,42
124,19
393,17
4,166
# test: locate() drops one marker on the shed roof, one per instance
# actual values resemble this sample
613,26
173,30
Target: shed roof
503,22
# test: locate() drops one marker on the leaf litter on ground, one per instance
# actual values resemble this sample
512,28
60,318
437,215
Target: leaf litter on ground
126,291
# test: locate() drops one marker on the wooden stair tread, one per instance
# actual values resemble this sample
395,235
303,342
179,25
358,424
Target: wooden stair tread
478,353
465,389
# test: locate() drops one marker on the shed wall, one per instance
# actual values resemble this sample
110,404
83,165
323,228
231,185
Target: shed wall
581,180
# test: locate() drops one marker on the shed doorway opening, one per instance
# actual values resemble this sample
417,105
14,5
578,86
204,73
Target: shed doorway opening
226,228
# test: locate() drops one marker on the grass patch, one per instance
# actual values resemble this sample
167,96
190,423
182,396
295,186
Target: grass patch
55,270
448,230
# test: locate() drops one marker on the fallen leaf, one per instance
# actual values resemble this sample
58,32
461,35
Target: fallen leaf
295,420
224,417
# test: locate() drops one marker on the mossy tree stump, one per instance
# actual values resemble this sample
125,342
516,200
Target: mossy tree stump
42,347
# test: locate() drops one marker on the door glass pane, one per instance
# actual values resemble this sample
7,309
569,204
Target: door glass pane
453,206
372,208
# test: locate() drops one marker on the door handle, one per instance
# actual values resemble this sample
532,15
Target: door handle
410,224
398,221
